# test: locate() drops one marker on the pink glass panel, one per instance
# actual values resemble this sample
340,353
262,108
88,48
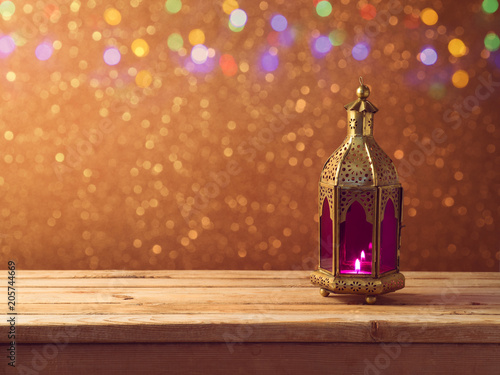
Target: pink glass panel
355,241
326,238
388,239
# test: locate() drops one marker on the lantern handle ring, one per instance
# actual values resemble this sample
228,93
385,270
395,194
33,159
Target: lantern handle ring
361,81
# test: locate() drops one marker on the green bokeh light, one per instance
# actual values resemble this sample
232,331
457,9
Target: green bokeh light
235,29
492,42
337,37
324,8
175,42
7,9
490,6
173,6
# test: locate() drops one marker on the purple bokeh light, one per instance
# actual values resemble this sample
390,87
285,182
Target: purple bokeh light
269,62
7,46
322,44
428,56
360,51
279,23
44,51
112,56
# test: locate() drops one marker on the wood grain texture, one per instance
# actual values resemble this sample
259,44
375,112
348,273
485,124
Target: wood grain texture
259,358
248,307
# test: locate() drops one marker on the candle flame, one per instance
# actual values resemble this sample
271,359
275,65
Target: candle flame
370,246
357,266
362,255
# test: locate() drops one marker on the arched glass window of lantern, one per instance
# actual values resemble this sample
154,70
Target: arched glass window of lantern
356,242
326,237
388,239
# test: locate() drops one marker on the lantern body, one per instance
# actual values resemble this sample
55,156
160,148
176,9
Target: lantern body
360,201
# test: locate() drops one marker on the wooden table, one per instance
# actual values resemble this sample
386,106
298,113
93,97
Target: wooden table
250,322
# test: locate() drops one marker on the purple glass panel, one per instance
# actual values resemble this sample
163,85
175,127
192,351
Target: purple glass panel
326,238
356,242
388,239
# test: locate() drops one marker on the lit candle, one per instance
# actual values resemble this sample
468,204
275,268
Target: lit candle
357,266
362,255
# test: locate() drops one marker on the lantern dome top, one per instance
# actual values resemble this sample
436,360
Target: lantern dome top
361,104
359,161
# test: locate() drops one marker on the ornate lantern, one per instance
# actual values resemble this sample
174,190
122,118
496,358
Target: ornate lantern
360,201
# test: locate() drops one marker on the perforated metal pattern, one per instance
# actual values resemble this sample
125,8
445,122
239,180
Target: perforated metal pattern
366,198
330,169
355,169
359,161
328,193
383,166
387,193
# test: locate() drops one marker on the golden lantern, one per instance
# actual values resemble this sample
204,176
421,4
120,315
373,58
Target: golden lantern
360,202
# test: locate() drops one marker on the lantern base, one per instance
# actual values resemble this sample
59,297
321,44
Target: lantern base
368,286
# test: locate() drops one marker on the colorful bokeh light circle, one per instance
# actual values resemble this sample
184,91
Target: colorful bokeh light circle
324,8
112,56
196,36
7,9
175,42
337,37
228,65
269,62
143,79
490,6
492,42
140,47
428,56
360,51
279,23
44,51
238,18
429,16
112,16
322,44
173,6
460,79
229,5
457,48
7,45
368,12
199,54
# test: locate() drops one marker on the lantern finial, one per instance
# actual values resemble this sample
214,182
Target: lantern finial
363,91
361,104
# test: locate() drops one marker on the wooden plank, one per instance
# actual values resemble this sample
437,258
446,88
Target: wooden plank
200,306
256,327
258,358
220,282
158,308
415,296
230,274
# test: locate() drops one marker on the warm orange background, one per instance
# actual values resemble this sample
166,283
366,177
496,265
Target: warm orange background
218,169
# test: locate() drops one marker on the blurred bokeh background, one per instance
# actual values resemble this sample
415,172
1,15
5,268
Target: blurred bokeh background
191,134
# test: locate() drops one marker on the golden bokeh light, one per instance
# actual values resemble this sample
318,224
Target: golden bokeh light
457,48
140,48
157,135
429,16
460,79
112,16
